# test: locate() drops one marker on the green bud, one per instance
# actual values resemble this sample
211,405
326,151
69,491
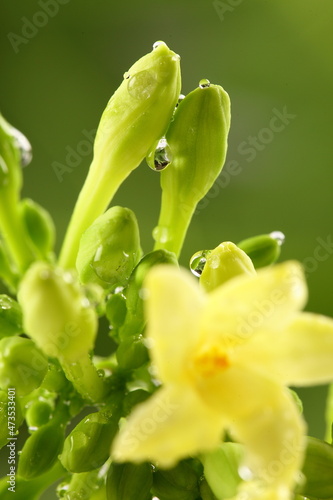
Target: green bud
22,365
10,413
135,320
132,353
133,398
136,116
109,249
39,226
88,445
179,483
10,317
318,469
221,469
41,450
197,138
224,263
56,313
115,310
38,413
263,250
12,143
129,481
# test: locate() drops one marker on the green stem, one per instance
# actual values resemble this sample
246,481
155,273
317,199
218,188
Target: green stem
84,376
173,224
96,194
14,233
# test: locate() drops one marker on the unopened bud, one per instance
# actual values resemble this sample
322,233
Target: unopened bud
129,481
10,317
263,250
39,226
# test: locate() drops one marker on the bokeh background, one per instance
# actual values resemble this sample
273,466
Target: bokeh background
59,69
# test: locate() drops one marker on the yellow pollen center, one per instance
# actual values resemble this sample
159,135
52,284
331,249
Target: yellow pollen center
212,362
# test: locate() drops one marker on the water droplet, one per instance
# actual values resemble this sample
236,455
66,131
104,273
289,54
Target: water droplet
161,234
23,145
141,85
78,440
176,57
180,99
101,373
158,43
245,473
198,261
126,75
204,83
159,157
62,489
278,236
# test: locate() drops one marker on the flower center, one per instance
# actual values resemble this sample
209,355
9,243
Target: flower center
211,361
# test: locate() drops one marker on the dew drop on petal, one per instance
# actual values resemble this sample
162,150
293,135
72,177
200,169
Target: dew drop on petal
159,157
198,261
278,236
141,85
204,83
23,145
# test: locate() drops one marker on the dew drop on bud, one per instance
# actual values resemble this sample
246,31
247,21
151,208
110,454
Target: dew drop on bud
158,43
278,236
204,83
180,99
159,157
23,145
198,261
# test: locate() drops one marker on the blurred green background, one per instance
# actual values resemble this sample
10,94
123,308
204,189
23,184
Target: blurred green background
58,70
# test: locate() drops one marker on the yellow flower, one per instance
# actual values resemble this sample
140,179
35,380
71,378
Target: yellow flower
225,360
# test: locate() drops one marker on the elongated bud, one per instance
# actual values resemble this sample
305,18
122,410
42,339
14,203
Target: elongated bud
10,317
135,319
197,138
22,365
224,263
11,415
221,469
317,469
263,250
178,483
136,116
41,450
56,313
39,226
109,249
88,445
129,481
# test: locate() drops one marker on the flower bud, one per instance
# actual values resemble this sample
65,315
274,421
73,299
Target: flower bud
10,158
88,445
136,116
221,468
56,314
197,138
129,481
39,226
317,469
22,365
109,249
41,450
179,483
10,317
38,413
224,263
133,398
132,353
134,292
263,250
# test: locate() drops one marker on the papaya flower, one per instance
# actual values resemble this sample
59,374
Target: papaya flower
225,360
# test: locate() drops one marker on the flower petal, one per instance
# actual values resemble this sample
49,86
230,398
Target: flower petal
246,304
300,355
171,425
173,306
274,439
